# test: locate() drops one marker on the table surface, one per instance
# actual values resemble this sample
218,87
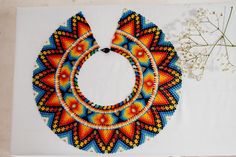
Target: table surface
7,50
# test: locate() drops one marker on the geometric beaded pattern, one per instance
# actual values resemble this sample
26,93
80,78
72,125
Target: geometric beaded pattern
112,127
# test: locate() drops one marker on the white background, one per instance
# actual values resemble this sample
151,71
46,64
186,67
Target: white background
204,123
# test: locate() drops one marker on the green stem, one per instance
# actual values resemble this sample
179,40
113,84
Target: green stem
206,45
200,34
230,14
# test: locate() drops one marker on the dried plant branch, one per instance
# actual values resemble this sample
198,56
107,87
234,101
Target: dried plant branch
201,36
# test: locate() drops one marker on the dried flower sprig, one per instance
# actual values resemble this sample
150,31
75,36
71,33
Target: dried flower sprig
204,33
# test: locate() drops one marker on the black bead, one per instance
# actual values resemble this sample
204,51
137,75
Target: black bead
105,50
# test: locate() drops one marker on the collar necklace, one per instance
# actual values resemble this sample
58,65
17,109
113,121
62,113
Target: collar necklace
116,127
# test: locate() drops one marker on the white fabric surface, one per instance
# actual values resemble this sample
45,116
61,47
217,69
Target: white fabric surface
202,125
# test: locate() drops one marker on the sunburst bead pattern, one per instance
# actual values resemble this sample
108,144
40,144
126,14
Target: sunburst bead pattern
116,127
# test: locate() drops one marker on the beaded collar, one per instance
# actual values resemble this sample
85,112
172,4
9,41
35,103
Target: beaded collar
115,127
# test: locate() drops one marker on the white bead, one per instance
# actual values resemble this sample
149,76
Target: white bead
102,120
79,48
